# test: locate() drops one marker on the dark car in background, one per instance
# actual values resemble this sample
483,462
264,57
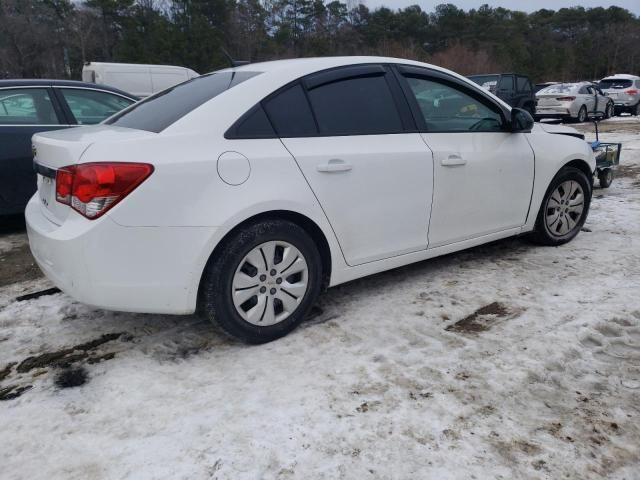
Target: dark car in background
32,106
513,88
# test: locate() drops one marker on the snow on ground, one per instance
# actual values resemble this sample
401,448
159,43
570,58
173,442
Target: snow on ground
393,378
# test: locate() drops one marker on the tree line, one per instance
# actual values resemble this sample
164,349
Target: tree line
53,38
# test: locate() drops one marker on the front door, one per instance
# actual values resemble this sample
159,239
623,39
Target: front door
483,175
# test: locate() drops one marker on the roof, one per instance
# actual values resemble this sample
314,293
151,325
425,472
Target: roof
273,76
40,82
624,76
495,74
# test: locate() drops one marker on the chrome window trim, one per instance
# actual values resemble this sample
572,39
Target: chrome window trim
39,125
74,87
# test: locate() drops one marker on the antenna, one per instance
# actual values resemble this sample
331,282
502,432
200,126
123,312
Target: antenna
232,62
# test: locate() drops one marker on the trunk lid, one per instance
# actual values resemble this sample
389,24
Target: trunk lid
550,100
57,149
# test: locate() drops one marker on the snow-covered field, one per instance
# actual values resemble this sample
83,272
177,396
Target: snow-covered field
393,378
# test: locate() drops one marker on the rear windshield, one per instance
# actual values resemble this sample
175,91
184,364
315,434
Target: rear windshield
157,112
616,84
562,88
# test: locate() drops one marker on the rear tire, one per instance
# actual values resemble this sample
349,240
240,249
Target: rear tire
564,208
635,111
605,177
262,302
582,115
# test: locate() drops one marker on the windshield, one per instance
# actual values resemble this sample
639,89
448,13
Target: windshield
562,88
157,112
615,83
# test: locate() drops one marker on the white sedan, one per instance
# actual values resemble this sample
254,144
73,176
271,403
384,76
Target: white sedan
572,101
243,193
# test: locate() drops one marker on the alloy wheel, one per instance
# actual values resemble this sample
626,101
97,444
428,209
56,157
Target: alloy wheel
564,208
582,115
270,283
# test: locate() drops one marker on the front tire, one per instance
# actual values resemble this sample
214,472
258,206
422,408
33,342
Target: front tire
609,110
564,208
263,281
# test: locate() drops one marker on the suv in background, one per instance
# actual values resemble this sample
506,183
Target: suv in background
624,90
513,88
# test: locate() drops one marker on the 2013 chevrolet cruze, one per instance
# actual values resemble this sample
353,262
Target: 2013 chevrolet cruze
244,192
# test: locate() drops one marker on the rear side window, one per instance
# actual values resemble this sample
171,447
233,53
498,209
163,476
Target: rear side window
290,113
165,108
523,84
26,106
506,83
355,106
91,106
253,124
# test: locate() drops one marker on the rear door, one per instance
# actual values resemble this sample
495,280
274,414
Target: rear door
23,112
587,98
346,129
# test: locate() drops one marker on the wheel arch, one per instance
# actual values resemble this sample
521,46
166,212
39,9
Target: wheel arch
580,165
303,221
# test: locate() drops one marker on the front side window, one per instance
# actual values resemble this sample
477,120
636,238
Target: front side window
448,109
157,112
26,106
355,106
91,106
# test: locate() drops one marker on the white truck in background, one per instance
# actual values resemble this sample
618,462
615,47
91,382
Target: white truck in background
139,80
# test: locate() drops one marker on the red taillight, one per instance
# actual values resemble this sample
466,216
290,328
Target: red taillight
93,188
632,91
64,184
565,99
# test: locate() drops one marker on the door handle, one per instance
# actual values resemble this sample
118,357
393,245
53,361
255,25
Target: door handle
453,160
334,165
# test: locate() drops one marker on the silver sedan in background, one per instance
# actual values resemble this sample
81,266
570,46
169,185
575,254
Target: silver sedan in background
572,102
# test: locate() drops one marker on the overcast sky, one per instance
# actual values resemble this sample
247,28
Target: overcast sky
526,5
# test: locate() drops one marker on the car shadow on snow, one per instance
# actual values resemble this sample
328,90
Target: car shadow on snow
104,336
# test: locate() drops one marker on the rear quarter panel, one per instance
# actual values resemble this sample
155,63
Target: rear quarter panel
185,190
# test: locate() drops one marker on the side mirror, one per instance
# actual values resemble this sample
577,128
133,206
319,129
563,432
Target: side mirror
521,120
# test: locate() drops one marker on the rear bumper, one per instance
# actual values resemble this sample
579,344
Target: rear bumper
551,112
106,265
622,106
